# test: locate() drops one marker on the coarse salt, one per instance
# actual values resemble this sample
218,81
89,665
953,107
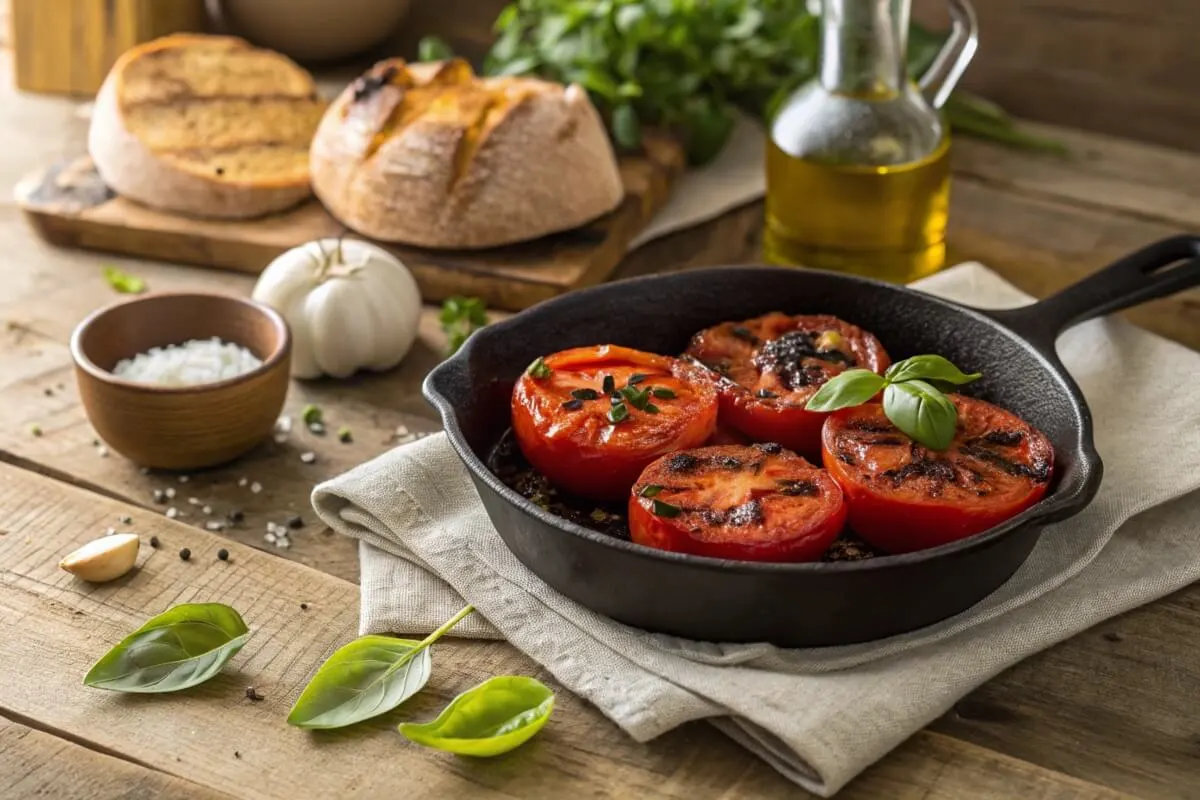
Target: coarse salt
194,362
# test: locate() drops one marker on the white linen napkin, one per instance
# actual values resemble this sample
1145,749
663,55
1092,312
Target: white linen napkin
819,716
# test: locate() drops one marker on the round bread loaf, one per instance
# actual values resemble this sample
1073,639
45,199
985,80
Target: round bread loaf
432,155
207,126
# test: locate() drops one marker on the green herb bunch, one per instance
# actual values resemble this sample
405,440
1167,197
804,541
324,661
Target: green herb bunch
686,65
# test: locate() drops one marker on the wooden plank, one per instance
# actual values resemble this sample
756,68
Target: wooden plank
214,736
70,206
1113,705
38,764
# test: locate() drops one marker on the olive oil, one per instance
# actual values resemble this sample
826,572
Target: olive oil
858,171
886,222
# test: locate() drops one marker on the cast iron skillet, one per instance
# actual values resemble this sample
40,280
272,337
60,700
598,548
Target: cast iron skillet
796,605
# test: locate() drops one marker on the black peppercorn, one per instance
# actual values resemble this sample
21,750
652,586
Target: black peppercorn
304,606
235,515
185,554
252,694
223,554
295,521
154,542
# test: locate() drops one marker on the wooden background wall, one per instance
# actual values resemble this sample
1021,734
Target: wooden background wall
1126,67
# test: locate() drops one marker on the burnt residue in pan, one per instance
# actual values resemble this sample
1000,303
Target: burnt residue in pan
506,463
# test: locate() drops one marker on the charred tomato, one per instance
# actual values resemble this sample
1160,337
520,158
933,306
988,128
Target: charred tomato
590,419
751,503
903,497
770,366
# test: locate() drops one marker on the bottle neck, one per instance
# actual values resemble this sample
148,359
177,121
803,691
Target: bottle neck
863,44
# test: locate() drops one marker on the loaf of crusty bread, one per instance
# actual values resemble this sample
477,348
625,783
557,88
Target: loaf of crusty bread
432,155
206,125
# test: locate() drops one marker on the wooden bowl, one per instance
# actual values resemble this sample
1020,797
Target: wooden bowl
187,427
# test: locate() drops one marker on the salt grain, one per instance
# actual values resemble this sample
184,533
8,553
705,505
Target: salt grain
194,362
193,501
183,478
102,451
214,525
270,538
308,457
169,492
172,512
242,481
256,487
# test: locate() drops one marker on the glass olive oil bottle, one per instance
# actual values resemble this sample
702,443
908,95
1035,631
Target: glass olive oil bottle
858,173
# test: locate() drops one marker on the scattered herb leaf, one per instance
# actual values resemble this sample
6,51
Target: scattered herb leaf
492,718
585,394
181,647
123,282
650,490
539,369
312,415
651,408
573,405
618,413
460,317
345,436
365,678
609,385
663,393
743,333
636,378
662,509
35,429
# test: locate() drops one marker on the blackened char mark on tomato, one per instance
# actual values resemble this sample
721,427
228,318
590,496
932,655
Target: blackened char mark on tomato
1039,472
1004,438
684,463
786,357
798,488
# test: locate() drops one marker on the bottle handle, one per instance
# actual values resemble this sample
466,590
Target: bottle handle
951,61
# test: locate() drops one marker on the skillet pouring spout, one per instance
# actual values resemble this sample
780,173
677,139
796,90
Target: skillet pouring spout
794,604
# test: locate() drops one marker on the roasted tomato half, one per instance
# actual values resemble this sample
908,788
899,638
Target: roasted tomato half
590,419
752,503
771,365
904,497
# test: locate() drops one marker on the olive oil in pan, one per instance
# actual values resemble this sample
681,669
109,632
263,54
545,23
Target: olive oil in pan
886,222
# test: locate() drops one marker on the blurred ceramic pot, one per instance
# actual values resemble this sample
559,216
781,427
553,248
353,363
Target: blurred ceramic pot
313,30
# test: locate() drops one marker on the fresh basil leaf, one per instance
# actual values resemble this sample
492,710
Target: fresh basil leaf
365,678
433,48
922,412
627,130
123,282
929,367
495,717
851,388
181,647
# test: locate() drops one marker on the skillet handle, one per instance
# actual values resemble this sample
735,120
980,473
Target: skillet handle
1158,270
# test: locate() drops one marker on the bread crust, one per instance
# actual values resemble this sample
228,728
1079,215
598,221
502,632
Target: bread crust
480,163
133,170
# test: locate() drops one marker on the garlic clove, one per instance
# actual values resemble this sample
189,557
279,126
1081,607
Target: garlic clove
103,559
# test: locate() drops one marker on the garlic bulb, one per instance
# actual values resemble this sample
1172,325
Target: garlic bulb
351,305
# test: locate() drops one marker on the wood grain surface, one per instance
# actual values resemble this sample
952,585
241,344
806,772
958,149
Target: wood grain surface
214,736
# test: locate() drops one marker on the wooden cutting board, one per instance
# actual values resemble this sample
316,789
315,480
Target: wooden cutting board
70,206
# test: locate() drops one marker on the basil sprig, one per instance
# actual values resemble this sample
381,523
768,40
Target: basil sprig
913,396
495,717
180,648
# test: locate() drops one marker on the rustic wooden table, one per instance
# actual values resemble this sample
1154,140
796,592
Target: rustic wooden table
1107,713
